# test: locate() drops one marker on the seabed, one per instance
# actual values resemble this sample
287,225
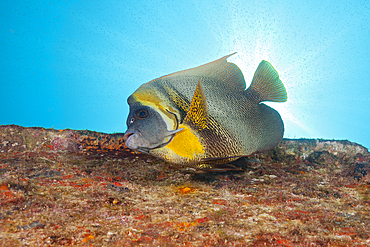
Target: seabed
83,188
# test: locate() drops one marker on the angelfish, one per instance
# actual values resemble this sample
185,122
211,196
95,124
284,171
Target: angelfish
205,115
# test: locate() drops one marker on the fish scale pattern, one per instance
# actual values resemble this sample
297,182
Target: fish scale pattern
229,120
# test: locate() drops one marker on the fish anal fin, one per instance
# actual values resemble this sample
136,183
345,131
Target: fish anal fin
197,115
219,168
222,160
266,85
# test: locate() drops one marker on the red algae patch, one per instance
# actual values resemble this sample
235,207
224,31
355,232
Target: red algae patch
84,188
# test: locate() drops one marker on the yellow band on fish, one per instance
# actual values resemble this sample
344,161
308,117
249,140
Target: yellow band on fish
186,144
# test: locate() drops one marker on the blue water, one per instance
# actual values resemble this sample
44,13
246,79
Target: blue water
72,64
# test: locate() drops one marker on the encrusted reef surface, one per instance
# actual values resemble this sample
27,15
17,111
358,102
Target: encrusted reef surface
72,187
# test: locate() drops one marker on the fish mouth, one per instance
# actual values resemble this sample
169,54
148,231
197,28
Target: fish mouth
130,137
127,136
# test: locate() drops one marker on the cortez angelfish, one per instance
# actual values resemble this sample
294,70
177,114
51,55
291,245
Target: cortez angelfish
205,116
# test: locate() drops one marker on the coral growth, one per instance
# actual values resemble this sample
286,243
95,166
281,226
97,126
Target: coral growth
80,188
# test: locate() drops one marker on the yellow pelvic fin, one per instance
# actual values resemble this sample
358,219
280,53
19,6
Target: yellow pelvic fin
197,115
186,144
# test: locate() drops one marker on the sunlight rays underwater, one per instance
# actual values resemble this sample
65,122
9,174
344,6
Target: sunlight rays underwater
302,45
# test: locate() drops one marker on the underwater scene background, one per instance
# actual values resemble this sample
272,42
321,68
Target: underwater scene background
69,66
72,64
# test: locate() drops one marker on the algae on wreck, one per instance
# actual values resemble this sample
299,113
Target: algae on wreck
91,190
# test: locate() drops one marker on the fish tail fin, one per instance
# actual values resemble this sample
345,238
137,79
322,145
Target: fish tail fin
266,85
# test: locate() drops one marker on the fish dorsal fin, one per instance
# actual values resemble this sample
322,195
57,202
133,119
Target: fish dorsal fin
197,115
266,85
227,73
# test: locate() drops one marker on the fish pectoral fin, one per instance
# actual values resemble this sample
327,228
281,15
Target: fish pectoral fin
197,115
266,85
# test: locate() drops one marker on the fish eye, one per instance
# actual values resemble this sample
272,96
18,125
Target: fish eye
140,114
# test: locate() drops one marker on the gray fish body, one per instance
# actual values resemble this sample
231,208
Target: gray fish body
235,122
